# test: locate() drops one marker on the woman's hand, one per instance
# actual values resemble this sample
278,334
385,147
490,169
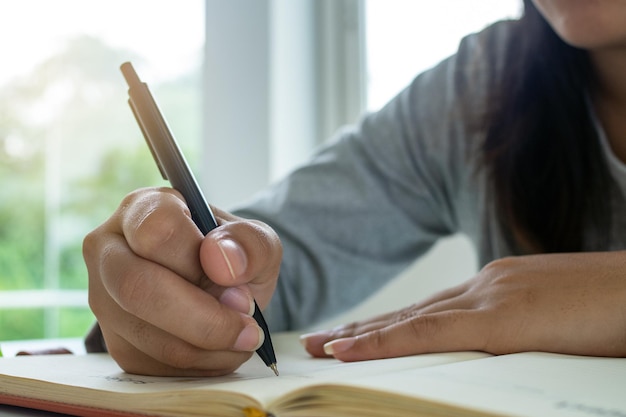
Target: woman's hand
566,303
170,301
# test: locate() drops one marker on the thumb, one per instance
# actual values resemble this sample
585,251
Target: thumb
226,261
240,253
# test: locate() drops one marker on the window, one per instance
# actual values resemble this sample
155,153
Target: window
405,37
69,146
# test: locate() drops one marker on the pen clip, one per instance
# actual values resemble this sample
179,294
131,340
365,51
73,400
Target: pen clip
145,136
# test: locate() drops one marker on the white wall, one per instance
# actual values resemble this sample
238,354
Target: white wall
279,77
236,100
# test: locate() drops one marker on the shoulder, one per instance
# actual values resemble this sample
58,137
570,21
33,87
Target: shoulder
431,134
465,77
445,105
490,45
464,82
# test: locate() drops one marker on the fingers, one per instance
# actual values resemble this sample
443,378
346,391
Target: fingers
557,303
166,342
156,353
436,332
158,296
159,310
157,225
448,299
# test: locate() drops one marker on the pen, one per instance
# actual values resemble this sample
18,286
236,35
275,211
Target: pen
174,168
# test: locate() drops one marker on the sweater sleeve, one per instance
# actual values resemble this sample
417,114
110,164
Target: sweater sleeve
376,197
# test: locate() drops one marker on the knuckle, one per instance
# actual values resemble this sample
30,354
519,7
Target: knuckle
136,195
267,237
405,314
90,243
499,269
97,268
154,221
94,245
263,238
153,231
94,303
376,342
345,330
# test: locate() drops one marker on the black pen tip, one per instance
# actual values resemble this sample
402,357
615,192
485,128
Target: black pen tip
274,368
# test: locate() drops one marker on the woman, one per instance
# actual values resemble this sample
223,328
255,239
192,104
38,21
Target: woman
517,141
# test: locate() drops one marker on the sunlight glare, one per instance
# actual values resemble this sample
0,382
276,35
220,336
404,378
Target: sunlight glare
161,32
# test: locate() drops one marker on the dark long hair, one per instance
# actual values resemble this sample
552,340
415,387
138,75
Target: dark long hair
541,149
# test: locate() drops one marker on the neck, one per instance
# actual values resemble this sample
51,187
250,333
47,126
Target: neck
610,80
609,96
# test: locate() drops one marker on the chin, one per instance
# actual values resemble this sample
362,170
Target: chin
592,38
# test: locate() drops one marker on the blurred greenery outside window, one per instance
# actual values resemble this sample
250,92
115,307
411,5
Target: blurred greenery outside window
70,148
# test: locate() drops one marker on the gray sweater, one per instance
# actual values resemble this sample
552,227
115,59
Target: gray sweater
381,193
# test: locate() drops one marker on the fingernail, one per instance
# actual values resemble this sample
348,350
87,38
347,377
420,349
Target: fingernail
250,339
339,345
238,300
234,256
315,338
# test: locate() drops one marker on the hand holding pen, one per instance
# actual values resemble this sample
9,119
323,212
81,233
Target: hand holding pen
172,301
